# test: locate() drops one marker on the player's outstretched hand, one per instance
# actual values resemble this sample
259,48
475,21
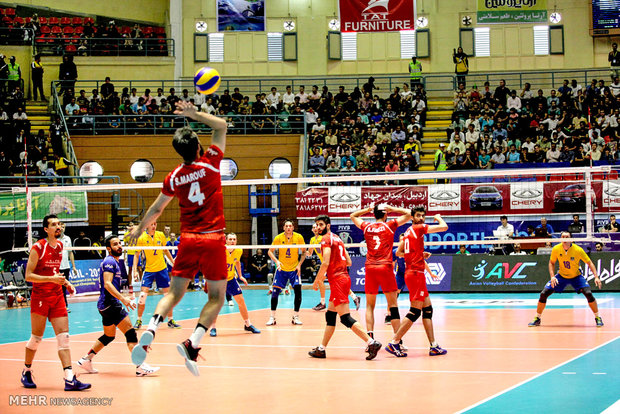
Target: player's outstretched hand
186,109
315,285
426,255
437,217
598,283
133,235
70,288
554,281
129,304
58,279
244,280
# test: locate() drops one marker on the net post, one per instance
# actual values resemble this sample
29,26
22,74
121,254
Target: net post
589,194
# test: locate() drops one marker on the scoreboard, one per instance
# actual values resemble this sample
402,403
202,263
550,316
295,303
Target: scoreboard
605,18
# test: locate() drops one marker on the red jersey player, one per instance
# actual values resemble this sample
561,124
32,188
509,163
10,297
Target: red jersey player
334,266
379,238
412,247
48,302
197,184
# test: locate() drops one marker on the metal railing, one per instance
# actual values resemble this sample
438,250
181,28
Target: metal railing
58,109
59,45
7,182
16,36
167,124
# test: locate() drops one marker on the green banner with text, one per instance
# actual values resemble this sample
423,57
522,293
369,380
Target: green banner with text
68,206
512,11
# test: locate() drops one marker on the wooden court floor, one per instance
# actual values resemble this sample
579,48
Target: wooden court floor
492,354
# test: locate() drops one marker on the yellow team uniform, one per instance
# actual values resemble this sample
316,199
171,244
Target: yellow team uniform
232,257
569,260
317,240
155,261
288,257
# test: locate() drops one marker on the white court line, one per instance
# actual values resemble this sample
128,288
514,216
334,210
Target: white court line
569,373
419,371
203,344
534,377
613,409
599,373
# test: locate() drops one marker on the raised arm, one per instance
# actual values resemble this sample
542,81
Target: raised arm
441,226
151,215
405,217
218,125
355,216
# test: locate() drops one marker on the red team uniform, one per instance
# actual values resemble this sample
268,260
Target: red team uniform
337,274
414,261
379,238
47,298
202,243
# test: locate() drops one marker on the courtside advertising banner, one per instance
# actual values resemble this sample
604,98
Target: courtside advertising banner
376,15
86,281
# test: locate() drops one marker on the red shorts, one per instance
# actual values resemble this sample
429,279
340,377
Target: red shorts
50,306
380,275
416,282
339,287
201,252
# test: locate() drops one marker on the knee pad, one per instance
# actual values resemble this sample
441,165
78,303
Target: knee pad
131,336
394,314
63,340
413,314
427,312
330,318
33,342
544,295
347,320
275,292
142,298
587,292
105,339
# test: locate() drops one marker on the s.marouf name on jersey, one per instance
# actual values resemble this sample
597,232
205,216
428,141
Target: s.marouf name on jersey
188,178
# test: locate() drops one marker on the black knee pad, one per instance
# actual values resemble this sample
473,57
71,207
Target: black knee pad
394,314
275,292
330,318
131,336
105,340
427,312
414,314
347,320
544,295
587,292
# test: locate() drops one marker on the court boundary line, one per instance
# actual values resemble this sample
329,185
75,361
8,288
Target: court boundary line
534,377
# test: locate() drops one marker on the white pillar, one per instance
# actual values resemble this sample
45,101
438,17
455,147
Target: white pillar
176,33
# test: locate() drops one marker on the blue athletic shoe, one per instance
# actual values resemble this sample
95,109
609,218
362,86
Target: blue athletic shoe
437,350
395,350
212,332
138,353
27,381
75,385
599,321
252,329
535,322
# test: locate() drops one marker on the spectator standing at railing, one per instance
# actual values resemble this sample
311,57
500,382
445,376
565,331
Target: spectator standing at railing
14,74
67,73
461,65
614,61
37,77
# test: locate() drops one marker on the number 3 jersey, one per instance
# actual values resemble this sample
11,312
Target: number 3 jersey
337,259
379,238
198,187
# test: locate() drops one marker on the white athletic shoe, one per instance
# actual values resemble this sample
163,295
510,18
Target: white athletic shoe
230,303
296,320
145,369
138,353
87,365
271,321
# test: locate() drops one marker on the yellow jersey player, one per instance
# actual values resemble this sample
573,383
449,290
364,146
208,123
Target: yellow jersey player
155,269
233,265
288,269
568,255
316,239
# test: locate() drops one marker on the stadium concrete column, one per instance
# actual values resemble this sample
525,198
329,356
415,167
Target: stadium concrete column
176,33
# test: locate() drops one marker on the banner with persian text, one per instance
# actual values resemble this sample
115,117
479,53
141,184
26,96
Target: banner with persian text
512,11
376,15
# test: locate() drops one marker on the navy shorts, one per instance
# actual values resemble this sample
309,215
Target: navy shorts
130,261
233,288
282,278
113,314
577,283
161,278
400,281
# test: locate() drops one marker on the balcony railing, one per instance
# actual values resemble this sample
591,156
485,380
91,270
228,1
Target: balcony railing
58,45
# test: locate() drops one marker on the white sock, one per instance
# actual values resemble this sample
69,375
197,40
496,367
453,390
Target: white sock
353,295
322,301
154,323
538,315
321,347
68,374
197,335
434,344
27,368
247,322
596,315
370,341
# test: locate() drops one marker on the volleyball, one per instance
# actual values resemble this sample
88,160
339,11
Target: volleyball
207,80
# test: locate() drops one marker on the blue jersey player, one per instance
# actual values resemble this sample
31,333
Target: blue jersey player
110,306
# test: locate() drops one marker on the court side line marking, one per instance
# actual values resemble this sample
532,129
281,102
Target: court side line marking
613,409
121,343
420,371
534,377
420,328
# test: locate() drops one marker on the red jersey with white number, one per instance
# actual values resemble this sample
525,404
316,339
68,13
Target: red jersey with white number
48,265
337,260
379,238
198,186
414,247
